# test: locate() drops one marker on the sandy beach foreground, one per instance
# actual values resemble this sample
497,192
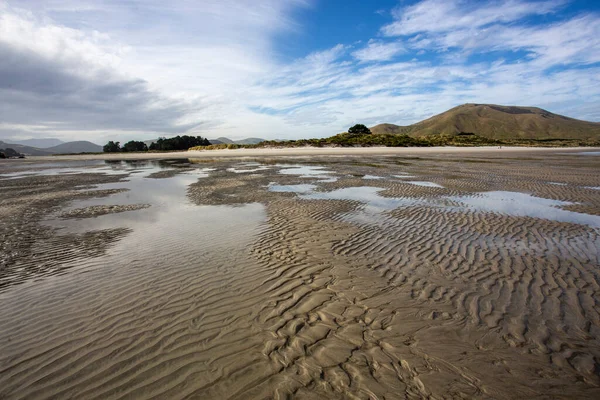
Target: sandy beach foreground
369,273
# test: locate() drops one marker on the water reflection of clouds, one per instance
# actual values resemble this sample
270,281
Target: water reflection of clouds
168,195
425,184
525,205
165,195
499,202
301,188
307,171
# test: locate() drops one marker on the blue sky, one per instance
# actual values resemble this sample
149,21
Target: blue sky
138,69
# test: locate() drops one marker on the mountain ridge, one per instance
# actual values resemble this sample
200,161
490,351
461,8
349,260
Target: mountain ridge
498,122
41,143
79,146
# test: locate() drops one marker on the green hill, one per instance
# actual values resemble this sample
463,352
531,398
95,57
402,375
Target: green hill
498,123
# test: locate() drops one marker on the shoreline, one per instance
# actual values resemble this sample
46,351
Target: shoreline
311,151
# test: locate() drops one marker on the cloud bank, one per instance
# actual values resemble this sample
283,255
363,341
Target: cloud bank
117,70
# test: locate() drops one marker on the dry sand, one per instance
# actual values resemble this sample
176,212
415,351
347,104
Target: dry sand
448,274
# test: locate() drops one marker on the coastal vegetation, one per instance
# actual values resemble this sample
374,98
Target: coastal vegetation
10,153
465,125
346,139
162,144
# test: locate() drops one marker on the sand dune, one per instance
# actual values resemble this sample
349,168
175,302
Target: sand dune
292,280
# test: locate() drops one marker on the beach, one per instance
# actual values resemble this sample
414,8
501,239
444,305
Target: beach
313,151
305,272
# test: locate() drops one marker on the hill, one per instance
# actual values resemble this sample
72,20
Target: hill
81,146
224,140
249,141
65,148
499,123
26,150
390,129
42,143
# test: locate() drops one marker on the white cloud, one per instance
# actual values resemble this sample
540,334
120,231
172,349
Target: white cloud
450,15
378,51
143,67
139,69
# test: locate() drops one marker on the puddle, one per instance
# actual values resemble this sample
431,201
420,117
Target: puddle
501,202
525,205
164,195
247,168
425,183
404,176
373,177
53,171
307,171
373,204
300,189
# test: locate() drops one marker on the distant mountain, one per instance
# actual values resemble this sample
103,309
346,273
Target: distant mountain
26,150
39,143
222,140
249,141
65,148
81,146
498,122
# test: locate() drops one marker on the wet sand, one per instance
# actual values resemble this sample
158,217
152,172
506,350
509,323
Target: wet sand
318,151
435,275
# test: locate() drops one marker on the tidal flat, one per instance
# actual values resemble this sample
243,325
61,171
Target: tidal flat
458,275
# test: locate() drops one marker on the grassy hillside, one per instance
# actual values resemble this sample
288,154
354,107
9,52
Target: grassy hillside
389,129
499,123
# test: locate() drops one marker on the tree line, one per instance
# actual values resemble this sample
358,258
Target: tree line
10,153
162,144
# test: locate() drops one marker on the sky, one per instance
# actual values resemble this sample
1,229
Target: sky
284,69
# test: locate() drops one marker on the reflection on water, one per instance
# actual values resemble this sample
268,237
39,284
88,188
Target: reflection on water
372,177
52,169
501,202
165,196
373,203
248,167
107,167
307,171
425,183
301,188
525,205
364,194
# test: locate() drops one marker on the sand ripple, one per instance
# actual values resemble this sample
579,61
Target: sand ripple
230,288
